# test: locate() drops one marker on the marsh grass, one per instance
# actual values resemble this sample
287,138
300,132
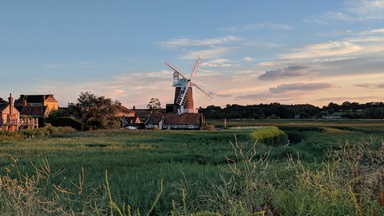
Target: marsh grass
331,171
46,192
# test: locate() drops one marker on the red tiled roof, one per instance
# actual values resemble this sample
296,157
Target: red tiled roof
183,119
124,111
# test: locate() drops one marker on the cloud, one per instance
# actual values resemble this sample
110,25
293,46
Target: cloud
256,26
378,85
367,9
332,48
223,95
296,87
247,59
330,16
184,42
290,71
84,64
372,32
258,96
220,62
340,100
272,63
354,11
215,52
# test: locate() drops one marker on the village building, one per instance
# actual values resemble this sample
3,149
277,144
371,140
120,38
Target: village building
185,121
143,114
10,117
124,111
129,119
171,121
155,121
132,123
37,106
37,100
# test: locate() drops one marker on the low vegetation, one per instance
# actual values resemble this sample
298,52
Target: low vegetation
270,135
331,168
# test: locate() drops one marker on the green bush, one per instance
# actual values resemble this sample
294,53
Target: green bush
270,135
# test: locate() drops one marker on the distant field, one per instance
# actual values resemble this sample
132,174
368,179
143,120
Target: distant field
137,160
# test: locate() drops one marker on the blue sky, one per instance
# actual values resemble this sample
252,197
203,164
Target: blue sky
252,52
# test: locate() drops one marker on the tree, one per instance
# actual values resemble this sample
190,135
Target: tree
154,104
2,101
346,106
333,106
98,112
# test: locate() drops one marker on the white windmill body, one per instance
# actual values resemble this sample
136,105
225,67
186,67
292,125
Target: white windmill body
183,100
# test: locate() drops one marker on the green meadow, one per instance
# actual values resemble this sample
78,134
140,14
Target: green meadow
223,172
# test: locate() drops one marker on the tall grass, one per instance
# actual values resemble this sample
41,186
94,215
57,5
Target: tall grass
47,192
191,173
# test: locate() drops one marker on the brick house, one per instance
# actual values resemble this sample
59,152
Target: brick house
37,100
10,116
37,106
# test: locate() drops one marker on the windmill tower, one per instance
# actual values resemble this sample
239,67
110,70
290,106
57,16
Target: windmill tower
183,99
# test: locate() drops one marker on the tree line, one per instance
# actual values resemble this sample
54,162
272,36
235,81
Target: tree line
353,110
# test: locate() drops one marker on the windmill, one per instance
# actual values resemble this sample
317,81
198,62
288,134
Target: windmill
183,100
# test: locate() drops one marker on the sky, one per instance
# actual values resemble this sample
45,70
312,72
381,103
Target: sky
264,51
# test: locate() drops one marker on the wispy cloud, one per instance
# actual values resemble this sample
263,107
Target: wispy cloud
367,9
329,17
298,87
332,48
223,95
211,53
353,11
378,85
185,42
290,71
256,26
83,64
257,96
350,99
220,62
248,59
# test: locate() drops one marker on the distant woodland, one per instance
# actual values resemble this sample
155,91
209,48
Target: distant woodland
351,110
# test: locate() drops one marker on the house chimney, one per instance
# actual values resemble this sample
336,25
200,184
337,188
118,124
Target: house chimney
10,100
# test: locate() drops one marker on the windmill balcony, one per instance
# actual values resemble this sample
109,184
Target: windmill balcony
187,111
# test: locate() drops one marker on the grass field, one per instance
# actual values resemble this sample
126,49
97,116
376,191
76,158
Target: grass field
190,165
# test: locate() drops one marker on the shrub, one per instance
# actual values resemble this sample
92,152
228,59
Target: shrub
270,135
208,127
